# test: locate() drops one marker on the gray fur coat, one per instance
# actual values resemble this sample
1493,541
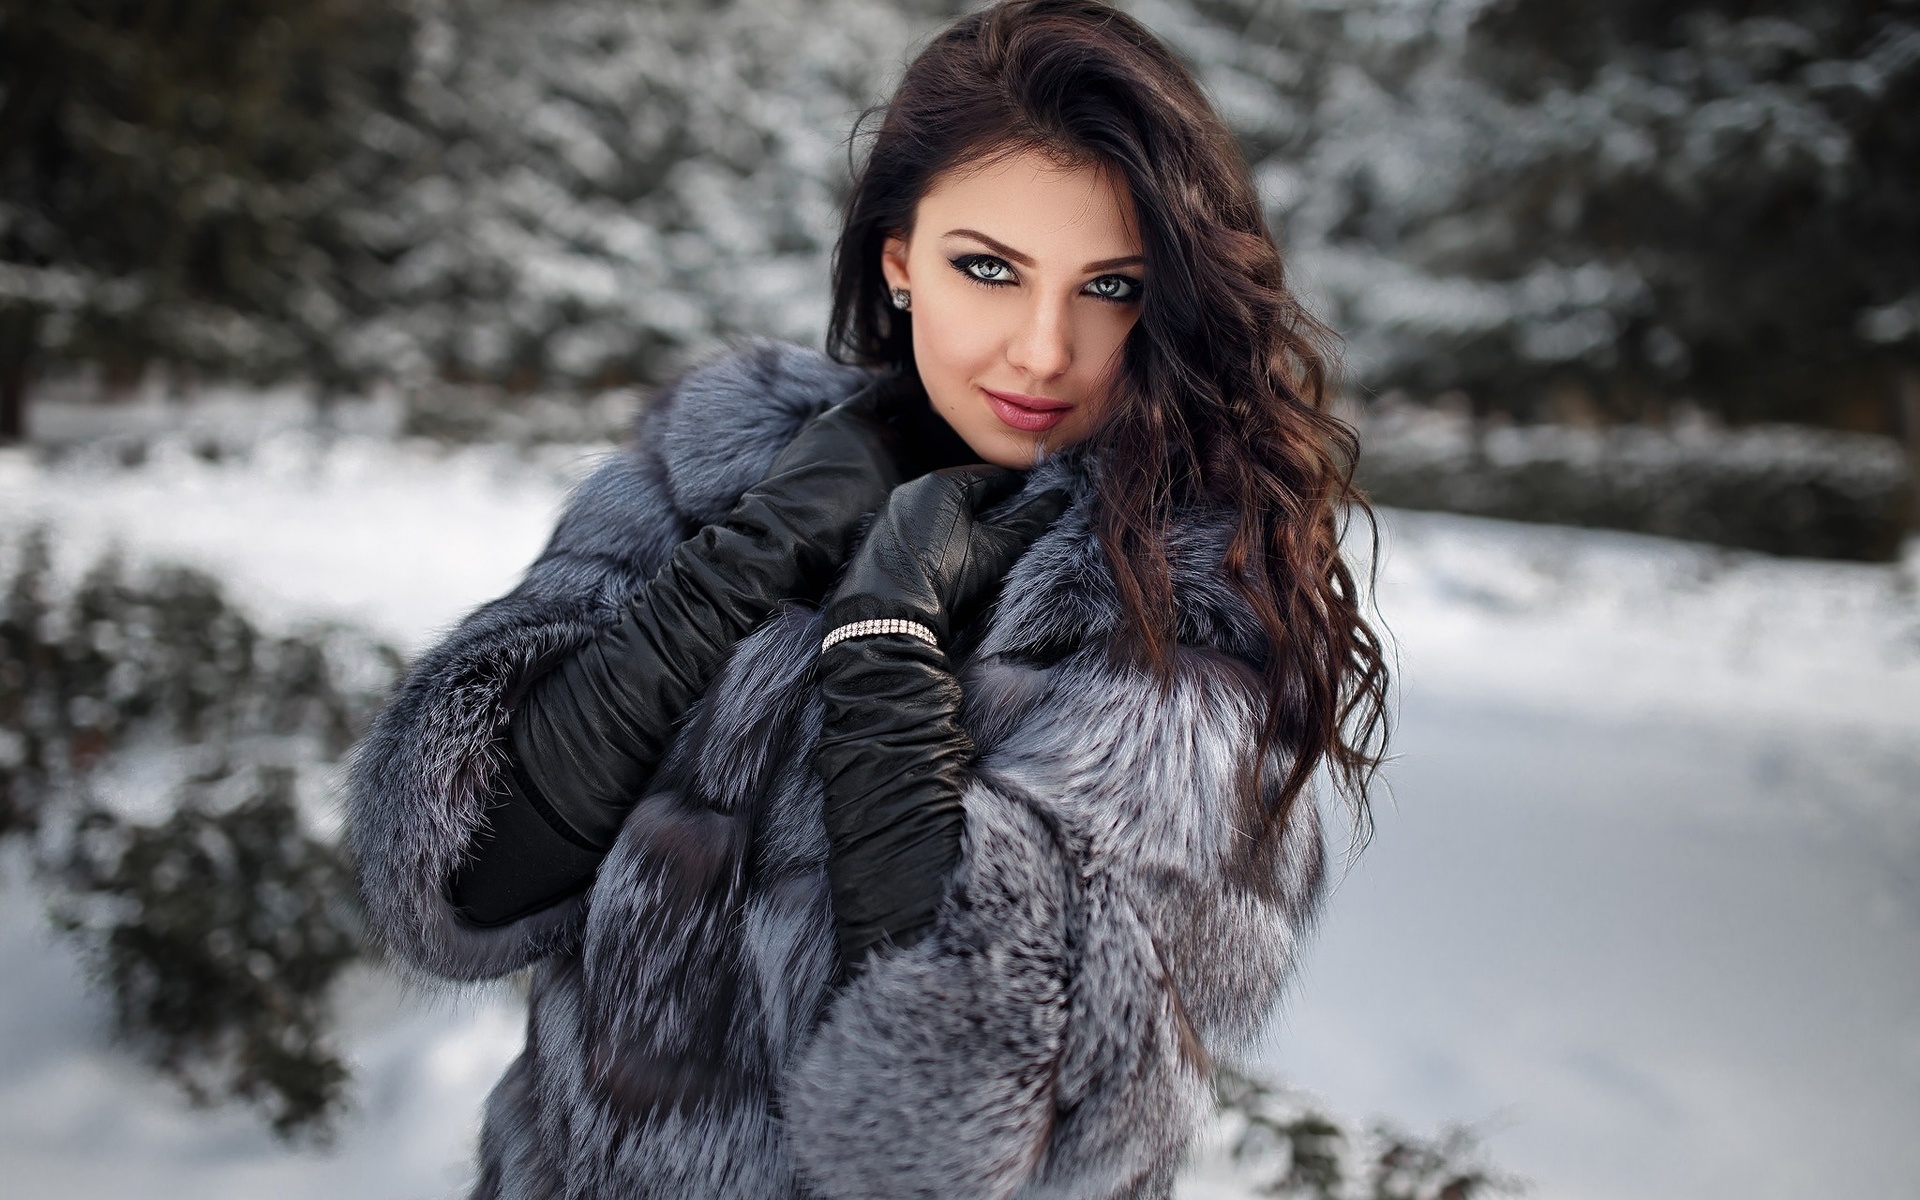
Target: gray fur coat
1114,925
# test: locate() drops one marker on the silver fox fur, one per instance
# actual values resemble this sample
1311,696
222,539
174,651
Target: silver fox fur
1118,920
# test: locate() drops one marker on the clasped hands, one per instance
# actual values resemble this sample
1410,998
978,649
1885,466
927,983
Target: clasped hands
893,758
929,554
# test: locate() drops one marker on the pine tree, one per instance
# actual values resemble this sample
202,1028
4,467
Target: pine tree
1587,208
173,180
599,191
1753,166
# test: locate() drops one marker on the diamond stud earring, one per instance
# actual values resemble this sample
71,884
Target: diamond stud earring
901,300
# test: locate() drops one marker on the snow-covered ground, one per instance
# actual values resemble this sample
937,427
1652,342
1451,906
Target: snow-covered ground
1643,897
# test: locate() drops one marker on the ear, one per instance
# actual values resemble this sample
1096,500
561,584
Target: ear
893,261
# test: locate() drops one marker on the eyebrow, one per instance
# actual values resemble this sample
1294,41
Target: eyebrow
1006,251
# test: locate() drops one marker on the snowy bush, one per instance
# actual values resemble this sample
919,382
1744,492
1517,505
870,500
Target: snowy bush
217,933
169,764
1300,1152
465,414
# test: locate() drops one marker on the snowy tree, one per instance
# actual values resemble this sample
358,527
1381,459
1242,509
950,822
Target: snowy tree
1753,169
601,190
1562,209
1588,209
171,180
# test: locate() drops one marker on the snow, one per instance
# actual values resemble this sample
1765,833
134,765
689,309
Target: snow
1613,626
399,538
1641,896
81,1119
1657,957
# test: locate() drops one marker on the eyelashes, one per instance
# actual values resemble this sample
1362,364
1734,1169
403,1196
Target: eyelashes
984,268
1118,289
990,270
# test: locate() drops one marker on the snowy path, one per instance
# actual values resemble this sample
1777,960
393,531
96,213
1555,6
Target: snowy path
1644,896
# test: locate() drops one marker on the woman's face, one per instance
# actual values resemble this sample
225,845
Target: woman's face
1025,277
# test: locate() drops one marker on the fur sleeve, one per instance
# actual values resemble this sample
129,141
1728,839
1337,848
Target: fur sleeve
1120,915
418,781
420,778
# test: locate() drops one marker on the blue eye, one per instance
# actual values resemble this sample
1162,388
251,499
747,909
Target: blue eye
984,268
1120,289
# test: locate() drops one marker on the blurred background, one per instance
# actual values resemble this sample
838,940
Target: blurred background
312,310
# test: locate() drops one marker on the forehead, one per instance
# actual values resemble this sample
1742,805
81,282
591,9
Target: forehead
1034,204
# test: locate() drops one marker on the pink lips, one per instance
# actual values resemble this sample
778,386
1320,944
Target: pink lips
1028,414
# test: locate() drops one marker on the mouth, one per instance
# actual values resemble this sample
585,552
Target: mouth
1028,414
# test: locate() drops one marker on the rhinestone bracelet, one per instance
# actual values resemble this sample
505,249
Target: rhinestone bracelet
883,625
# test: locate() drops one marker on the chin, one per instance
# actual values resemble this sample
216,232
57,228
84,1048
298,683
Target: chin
1007,450
1020,458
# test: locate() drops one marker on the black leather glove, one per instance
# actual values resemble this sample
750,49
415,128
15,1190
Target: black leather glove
588,735
892,753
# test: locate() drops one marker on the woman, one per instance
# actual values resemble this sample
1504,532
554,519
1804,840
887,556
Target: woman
879,820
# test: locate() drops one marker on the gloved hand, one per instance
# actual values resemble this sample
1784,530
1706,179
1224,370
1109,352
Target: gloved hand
588,735
892,753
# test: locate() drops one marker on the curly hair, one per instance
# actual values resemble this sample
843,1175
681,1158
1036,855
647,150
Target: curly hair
1223,396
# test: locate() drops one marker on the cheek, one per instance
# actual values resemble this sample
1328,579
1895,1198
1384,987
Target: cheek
1107,329
1104,342
954,332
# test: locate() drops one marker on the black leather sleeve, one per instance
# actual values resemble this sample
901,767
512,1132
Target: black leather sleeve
520,862
894,760
585,738
589,733
893,756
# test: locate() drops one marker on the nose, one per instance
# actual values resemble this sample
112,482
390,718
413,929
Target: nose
1042,347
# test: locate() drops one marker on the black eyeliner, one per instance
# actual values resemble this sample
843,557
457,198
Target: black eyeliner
962,262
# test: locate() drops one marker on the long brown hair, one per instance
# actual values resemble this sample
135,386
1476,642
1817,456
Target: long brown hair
1222,397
